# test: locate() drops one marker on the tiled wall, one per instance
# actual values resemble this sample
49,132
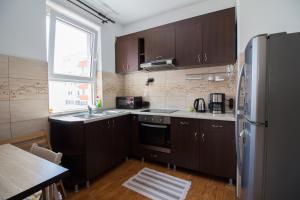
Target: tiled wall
23,96
169,90
109,86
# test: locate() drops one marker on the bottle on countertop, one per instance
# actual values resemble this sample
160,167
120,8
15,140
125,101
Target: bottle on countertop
98,102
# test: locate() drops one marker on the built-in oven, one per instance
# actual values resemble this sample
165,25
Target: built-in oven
154,133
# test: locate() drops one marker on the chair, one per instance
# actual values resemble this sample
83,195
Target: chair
49,192
25,142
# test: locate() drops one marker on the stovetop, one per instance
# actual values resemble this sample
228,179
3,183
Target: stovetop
159,111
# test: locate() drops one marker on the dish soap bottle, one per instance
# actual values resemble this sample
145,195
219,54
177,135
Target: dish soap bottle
98,102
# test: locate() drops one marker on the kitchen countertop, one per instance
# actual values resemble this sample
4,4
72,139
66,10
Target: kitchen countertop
179,113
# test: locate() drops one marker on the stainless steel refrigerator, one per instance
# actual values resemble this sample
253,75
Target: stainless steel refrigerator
268,119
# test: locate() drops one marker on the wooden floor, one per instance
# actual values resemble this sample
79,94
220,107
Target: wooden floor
110,186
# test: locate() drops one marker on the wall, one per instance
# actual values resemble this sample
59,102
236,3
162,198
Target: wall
179,14
24,73
171,89
109,32
23,28
268,16
23,96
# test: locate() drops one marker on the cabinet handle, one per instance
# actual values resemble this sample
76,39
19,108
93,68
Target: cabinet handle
113,121
205,57
157,57
184,123
217,126
196,136
199,58
203,137
127,67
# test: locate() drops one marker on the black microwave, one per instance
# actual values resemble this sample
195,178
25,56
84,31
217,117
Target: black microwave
129,102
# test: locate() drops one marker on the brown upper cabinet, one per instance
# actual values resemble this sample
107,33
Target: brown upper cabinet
189,42
160,43
206,40
127,54
219,37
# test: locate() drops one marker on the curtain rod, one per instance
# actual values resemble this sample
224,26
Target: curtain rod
100,16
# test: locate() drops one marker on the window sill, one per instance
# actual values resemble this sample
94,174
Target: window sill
68,112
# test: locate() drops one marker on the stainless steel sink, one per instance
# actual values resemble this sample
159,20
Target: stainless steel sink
108,112
87,116
99,113
111,112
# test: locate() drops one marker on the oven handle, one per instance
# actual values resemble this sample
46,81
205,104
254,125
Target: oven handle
154,126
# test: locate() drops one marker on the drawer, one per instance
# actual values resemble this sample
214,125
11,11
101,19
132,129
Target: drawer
217,125
157,156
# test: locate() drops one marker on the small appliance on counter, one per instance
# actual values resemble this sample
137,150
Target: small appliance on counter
199,105
217,103
129,102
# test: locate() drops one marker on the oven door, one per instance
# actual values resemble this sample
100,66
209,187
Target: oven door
155,137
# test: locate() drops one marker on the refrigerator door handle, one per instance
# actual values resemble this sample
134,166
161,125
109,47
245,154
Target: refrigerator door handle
239,109
238,117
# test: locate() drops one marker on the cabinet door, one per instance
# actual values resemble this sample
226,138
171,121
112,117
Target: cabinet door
132,54
218,149
106,151
120,138
188,42
121,55
185,142
160,43
219,37
98,148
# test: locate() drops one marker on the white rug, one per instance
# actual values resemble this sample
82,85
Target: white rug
158,186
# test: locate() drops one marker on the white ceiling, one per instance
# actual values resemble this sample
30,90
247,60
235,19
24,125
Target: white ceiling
128,11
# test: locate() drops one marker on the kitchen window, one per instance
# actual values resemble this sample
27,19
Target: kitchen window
71,48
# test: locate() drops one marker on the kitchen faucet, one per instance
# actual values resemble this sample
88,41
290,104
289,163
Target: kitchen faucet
90,109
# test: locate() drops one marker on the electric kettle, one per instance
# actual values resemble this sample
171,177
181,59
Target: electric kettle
199,105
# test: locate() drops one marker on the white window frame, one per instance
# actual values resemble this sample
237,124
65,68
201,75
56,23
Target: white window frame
71,78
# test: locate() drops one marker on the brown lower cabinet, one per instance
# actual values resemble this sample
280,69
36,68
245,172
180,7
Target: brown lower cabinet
217,149
185,142
206,146
90,149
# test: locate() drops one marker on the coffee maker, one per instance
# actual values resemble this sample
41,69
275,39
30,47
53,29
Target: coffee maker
217,103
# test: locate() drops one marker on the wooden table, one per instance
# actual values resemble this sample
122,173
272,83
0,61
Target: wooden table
22,173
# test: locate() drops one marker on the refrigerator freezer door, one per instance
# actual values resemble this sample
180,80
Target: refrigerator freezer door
255,80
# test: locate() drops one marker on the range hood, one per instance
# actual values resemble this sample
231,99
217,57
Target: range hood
156,65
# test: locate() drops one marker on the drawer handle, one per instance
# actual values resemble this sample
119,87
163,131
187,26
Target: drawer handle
217,126
184,123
